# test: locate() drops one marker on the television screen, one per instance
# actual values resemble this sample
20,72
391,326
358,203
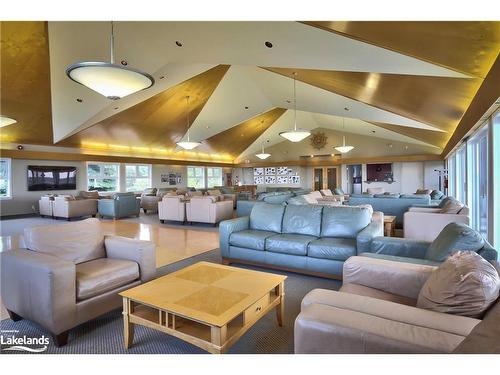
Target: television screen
48,177
379,172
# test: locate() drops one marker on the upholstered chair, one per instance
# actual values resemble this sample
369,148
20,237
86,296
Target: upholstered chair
150,199
194,193
375,190
315,197
121,205
71,273
45,205
327,193
68,207
89,195
208,210
226,197
172,208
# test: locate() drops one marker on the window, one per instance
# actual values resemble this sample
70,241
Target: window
457,174
103,177
5,178
138,177
214,177
196,177
495,157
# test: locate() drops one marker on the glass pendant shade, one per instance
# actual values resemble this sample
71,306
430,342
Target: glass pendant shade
110,80
343,149
263,155
4,121
296,135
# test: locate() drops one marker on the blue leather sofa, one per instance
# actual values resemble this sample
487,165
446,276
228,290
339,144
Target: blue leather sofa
121,205
244,208
303,238
393,204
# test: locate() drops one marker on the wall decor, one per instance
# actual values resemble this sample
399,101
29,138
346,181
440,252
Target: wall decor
257,180
172,178
270,171
270,179
164,178
318,140
282,179
258,171
295,180
282,170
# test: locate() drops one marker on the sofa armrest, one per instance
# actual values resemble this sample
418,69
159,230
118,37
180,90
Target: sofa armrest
106,207
399,246
139,251
366,236
39,287
426,225
226,228
400,278
347,323
424,209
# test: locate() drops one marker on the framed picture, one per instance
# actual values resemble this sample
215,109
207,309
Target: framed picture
282,170
172,178
258,180
282,179
270,171
270,179
295,180
164,178
258,171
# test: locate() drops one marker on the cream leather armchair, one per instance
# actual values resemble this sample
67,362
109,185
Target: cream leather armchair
69,207
375,312
45,205
69,274
172,208
424,223
208,210
220,195
327,193
315,197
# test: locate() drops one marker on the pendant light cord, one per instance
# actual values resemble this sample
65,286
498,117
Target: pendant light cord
294,101
261,128
112,43
187,116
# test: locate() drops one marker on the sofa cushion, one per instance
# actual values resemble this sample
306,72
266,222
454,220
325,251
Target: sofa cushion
250,239
338,191
294,244
344,222
332,248
437,194
454,237
149,191
465,284
297,201
76,242
214,192
89,194
387,195
102,275
302,219
452,206
423,191
267,217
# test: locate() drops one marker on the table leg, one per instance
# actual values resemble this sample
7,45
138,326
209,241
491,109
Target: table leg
280,309
128,328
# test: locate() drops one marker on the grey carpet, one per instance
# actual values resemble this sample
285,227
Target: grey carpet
104,335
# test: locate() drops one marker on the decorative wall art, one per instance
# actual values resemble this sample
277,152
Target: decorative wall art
258,180
258,171
270,171
282,170
295,180
276,175
282,180
270,179
318,140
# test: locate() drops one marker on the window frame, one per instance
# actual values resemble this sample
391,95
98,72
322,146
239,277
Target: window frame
150,175
102,176
220,182
9,179
203,178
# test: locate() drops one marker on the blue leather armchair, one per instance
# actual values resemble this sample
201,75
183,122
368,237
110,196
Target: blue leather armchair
121,205
304,238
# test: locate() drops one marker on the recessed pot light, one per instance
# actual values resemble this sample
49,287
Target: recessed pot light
124,62
179,44
268,44
79,100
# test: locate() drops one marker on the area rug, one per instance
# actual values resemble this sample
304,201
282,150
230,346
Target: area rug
104,335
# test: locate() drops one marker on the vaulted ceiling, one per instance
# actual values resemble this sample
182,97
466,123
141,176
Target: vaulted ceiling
403,82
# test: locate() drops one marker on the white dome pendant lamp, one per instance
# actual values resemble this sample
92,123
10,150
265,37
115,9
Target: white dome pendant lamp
263,155
295,135
188,144
111,80
343,149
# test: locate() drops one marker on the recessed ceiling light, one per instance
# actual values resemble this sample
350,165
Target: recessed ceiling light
162,77
246,107
116,107
124,62
312,156
268,44
288,101
346,109
208,127
373,131
79,100
179,44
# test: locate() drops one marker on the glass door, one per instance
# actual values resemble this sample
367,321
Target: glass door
325,178
318,179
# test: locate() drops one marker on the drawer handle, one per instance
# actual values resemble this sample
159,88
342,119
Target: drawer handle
258,308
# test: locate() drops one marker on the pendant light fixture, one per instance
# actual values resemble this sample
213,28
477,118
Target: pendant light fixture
262,155
112,80
295,135
4,121
343,149
188,144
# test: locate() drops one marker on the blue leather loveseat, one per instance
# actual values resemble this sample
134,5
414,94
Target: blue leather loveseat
390,204
304,238
121,205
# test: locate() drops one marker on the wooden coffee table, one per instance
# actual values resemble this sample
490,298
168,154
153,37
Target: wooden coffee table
206,304
389,225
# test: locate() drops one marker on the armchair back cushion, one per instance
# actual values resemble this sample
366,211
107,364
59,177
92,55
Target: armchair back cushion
76,242
304,219
89,194
454,237
326,192
375,190
338,191
452,206
267,217
344,221
149,191
465,284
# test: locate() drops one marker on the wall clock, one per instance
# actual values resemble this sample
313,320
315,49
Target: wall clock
318,140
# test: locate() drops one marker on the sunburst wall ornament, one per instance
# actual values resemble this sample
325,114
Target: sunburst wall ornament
318,140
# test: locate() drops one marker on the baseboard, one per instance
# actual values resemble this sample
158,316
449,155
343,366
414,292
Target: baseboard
18,216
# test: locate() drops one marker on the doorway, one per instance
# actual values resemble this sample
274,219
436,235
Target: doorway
325,178
353,179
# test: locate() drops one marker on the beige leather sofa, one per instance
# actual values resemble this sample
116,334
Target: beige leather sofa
71,273
68,207
315,197
327,193
423,223
374,312
89,195
375,190
172,208
220,195
208,209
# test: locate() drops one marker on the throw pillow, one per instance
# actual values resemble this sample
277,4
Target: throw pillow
465,284
452,206
454,237
423,191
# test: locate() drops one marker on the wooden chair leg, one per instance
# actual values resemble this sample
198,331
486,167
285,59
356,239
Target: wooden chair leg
13,316
61,339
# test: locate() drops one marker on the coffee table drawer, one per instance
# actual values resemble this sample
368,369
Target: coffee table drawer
257,308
